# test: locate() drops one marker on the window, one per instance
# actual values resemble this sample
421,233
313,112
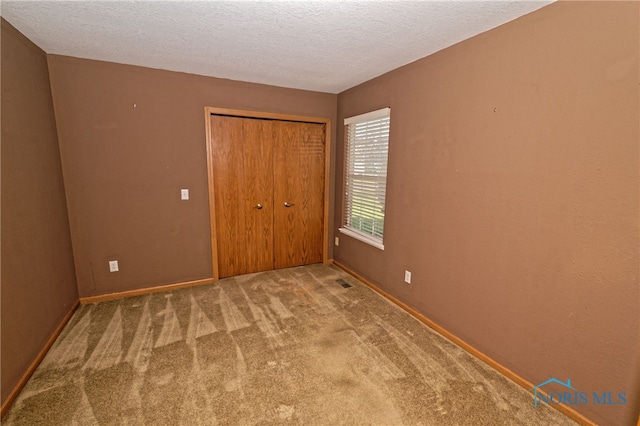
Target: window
366,176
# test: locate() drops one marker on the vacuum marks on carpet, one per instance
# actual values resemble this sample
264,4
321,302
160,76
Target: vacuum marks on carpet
306,345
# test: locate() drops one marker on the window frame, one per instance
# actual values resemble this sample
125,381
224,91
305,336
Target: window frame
346,229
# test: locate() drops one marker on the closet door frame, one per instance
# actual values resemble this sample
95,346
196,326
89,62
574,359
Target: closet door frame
208,112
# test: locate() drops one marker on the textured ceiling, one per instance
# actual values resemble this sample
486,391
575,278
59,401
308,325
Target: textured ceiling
327,46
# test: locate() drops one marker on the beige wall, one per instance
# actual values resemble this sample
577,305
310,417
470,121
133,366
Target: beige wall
124,166
513,195
38,281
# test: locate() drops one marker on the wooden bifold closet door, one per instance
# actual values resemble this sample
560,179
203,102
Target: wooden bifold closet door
269,193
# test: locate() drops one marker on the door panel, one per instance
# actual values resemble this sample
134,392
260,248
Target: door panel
243,178
298,165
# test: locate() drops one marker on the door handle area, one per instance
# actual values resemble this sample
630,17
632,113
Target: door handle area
259,206
288,204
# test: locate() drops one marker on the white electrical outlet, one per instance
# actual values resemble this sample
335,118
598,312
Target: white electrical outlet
407,277
337,241
184,194
113,266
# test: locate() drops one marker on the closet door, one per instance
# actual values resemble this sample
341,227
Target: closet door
242,159
298,166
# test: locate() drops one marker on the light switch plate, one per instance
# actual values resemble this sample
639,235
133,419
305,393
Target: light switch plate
113,266
184,194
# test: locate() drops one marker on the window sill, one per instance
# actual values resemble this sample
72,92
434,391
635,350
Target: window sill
362,237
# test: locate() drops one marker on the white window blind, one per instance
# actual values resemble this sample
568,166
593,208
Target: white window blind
366,175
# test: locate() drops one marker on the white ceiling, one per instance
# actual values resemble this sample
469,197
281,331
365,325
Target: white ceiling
327,46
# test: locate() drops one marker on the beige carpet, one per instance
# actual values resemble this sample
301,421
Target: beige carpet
285,347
